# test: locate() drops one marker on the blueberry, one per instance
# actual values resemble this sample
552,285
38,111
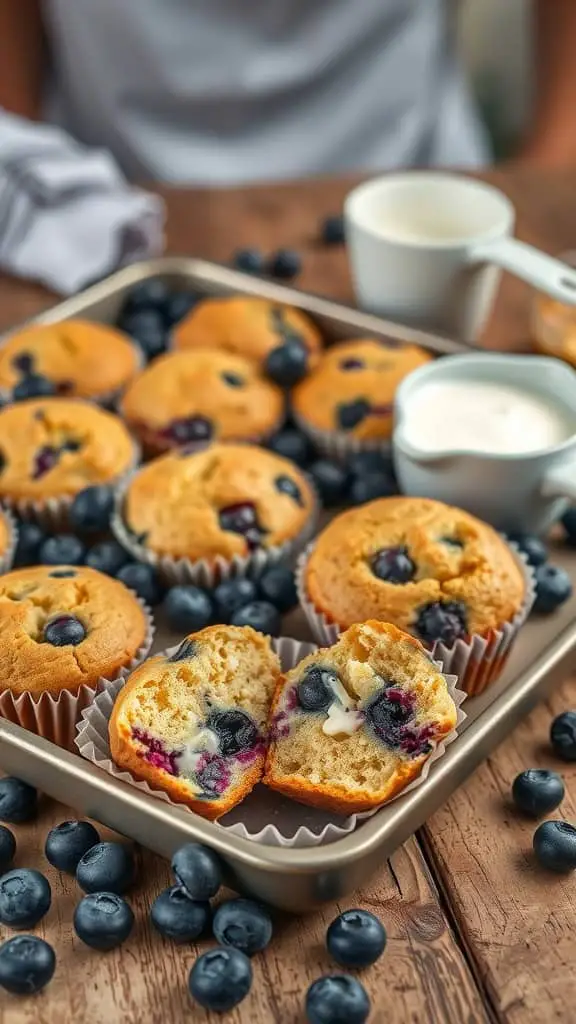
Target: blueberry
393,565
277,585
187,609
287,364
91,509
233,380
27,964
187,649
220,979
106,867
553,588
63,549
30,537
232,594
7,848
292,444
243,924
25,897
64,631
189,429
351,414
538,791
18,800
316,689
285,264
235,730
442,621
390,713
62,574
103,920
33,386
24,363
350,364
251,261
242,518
108,556
67,843
261,615
330,480
286,485
356,939
148,329
45,459
337,999
533,547
179,305
151,294
563,736
369,487
569,523
332,230
555,845
142,579
178,917
365,463
198,869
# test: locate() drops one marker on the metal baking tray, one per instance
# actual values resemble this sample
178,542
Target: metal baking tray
294,879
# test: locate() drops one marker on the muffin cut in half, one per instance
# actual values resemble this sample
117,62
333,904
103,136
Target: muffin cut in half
194,724
353,724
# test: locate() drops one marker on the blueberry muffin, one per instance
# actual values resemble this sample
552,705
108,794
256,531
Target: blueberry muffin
223,501
353,724
55,447
353,387
194,724
197,396
247,326
434,571
62,627
82,359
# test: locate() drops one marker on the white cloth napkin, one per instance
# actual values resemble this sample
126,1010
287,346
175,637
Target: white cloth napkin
67,215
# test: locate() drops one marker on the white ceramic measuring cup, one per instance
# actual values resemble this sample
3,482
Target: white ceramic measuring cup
427,248
516,493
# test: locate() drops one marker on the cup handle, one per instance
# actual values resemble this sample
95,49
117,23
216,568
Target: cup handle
560,482
543,272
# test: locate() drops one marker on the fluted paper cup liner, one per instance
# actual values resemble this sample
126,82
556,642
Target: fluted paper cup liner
55,716
476,662
7,558
338,445
208,574
264,817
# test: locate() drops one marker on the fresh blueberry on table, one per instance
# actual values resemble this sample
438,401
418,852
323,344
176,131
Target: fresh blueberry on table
18,800
7,848
251,261
142,579
553,588
330,480
277,586
178,917
243,924
285,264
220,979
261,615
25,898
33,386
287,363
369,487
27,964
332,230
292,444
569,523
555,845
356,938
108,556
187,608
63,549
91,509
30,538
198,870
538,791
532,547
179,305
337,999
64,631
106,867
232,594
103,920
67,843
563,736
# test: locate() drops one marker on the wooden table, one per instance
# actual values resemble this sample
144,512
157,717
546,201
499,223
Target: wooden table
476,932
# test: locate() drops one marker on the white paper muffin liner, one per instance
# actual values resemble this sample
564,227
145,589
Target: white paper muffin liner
264,817
476,662
337,444
7,559
55,716
208,574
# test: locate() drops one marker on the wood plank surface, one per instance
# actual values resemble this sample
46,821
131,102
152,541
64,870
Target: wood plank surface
496,944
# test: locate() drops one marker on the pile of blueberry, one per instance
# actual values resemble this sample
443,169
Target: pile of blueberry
221,977
553,584
150,312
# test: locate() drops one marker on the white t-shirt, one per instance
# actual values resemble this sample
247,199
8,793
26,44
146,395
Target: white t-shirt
224,91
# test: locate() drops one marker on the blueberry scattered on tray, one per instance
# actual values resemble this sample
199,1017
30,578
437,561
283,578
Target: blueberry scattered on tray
331,482
103,920
27,964
287,363
538,791
25,897
555,845
107,556
277,586
553,588
178,917
106,867
261,615
91,509
243,924
30,539
18,800
292,444
337,999
532,547
187,608
232,594
143,580
67,843
62,549
220,979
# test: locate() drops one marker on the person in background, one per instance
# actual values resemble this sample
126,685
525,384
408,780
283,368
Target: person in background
234,91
